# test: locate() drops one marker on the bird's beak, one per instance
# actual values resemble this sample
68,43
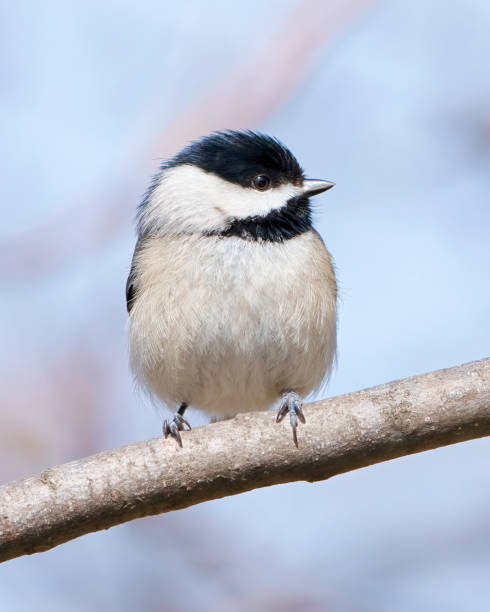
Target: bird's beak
312,187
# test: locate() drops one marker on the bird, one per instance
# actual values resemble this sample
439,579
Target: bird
231,294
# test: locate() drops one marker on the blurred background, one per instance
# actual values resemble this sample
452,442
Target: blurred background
391,100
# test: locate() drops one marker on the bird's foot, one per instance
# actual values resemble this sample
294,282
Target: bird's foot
291,402
177,424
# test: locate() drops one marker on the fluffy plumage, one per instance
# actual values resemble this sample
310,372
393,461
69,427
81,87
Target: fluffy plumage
226,326
232,294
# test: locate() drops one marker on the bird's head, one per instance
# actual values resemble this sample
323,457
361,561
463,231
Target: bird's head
230,183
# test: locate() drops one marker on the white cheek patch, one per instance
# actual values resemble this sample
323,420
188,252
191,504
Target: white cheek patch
241,202
192,200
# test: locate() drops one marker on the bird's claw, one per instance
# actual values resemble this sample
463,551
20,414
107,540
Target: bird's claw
291,402
174,427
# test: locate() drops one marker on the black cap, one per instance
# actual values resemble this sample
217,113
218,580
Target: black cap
238,157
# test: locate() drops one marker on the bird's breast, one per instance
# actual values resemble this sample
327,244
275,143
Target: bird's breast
222,318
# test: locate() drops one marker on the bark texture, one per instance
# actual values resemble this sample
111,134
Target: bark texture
341,434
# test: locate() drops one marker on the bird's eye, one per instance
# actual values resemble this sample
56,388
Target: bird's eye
261,182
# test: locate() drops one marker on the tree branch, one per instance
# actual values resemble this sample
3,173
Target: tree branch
250,451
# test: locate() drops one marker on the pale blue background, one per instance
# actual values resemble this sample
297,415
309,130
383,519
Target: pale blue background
394,107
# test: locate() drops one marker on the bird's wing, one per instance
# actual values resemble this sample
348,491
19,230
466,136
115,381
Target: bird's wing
130,289
131,283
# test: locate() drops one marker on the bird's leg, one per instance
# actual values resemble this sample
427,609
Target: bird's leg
176,425
291,402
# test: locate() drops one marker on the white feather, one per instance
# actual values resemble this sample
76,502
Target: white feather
227,325
188,199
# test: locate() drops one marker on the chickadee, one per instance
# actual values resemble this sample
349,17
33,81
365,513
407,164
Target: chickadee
232,294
